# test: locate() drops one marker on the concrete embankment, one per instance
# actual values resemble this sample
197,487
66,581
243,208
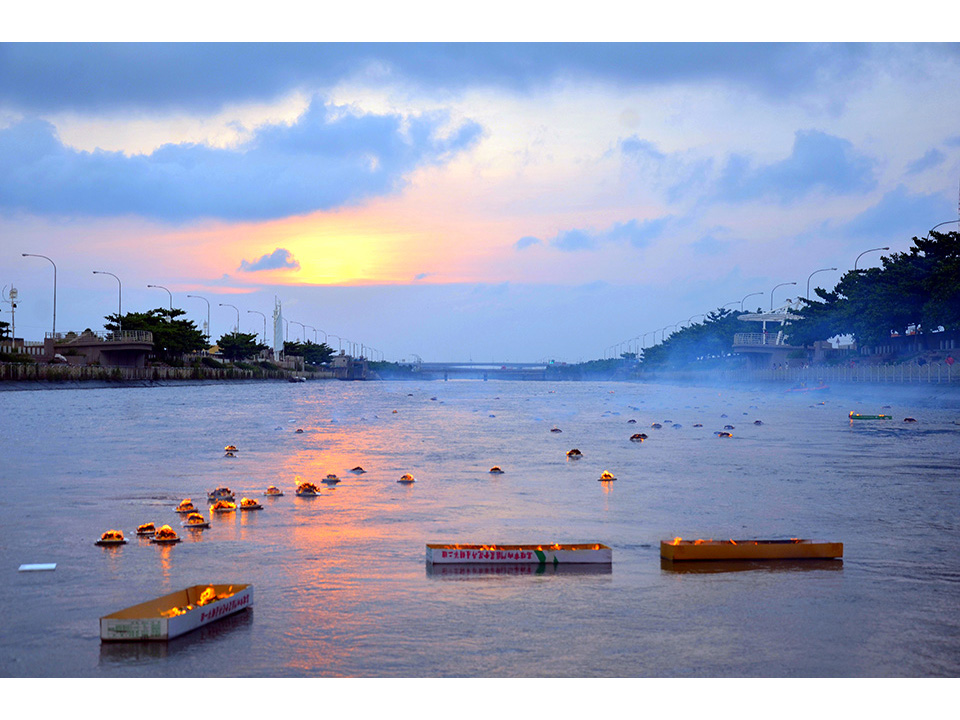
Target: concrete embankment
37,376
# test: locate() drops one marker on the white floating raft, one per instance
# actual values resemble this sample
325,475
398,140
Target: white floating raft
151,620
554,554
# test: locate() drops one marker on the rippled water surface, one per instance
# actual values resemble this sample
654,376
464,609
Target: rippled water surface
341,586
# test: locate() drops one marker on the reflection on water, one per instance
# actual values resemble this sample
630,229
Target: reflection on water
771,566
340,581
451,571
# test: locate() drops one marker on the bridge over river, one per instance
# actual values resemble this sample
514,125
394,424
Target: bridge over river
488,370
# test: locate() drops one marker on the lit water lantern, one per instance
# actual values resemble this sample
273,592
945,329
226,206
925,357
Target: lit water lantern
175,614
723,434
394,412
223,506
858,416
221,493
112,537
298,430
331,479
146,529
186,506
307,489
195,521
638,437
273,491
792,549
248,504
574,454
165,535
230,448
607,476
495,470
407,479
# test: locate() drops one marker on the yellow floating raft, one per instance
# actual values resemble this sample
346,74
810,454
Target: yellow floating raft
540,554
792,549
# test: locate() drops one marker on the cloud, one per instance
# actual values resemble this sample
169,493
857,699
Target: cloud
327,159
279,259
931,158
210,76
636,233
709,245
900,214
526,242
817,162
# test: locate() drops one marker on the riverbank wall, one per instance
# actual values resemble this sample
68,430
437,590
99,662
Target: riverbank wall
14,374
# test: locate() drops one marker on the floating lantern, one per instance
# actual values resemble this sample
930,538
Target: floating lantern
331,479
555,430
195,521
221,493
358,470
407,479
273,491
638,437
111,537
248,504
607,476
223,506
495,470
146,529
165,535
185,506
230,448
574,454
307,489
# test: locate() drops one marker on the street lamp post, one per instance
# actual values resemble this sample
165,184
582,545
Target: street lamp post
339,342
257,312
207,326
807,296
324,336
304,328
749,296
119,298
945,222
168,293
693,316
54,333
864,253
238,315
774,288
314,332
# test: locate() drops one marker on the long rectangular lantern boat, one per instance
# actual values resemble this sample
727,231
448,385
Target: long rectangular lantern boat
156,619
566,553
792,549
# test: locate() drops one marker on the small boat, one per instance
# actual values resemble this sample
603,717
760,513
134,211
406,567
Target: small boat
358,470
195,521
165,535
273,491
556,553
298,379
331,479
606,476
221,493
307,489
792,549
858,416
146,529
495,470
169,616
248,504
407,479
111,537
186,506
230,448
223,506
574,454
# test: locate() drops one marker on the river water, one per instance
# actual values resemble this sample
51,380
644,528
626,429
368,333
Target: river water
341,586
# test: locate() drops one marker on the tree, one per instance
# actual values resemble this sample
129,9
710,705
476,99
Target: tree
172,337
311,352
237,346
4,329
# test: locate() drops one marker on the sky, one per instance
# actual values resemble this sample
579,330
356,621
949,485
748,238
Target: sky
463,201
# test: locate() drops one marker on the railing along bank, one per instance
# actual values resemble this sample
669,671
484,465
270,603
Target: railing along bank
908,373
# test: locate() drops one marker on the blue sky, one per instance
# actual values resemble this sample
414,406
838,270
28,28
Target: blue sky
510,201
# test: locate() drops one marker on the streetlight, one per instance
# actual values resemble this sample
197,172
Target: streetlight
314,332
644,340
257,312
119,298
238,314
302,326
693,316
339,341
807,296
54,288
864,253
171,298
206,327
750,295
774,288
324,337
945,222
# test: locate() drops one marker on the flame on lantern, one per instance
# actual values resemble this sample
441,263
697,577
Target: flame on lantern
112,535
676,540
165,533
